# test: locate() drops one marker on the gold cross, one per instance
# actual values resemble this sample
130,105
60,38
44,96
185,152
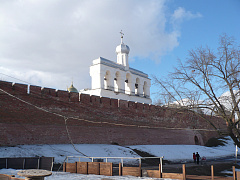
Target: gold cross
121,34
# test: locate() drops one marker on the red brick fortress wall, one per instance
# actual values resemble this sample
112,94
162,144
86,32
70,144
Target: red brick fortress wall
32,115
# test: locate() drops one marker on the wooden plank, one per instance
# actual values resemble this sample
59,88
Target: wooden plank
234,173
208,177
120,169
172,175
64,167
13,178
212,172
183,172
71,167
131,171
198,177
93,168
153,173
5,177
238,175
106,168
222,178
82,167
8,177
160,172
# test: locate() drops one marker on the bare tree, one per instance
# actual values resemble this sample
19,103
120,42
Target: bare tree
198,83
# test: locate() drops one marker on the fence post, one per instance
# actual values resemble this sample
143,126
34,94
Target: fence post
75,167
212,172
111,173
120,169
64,167
39,163
161,163
24,159
234,173
184,171
140,170
160,171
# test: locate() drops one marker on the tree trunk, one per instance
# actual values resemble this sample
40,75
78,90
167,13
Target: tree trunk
235,139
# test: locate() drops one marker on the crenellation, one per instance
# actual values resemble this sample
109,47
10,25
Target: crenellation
36,90
62,95
139,106
146,107
85,98
20,88
132,105
49,92
123,104
6,85
159,110
152,107
114,103
96,100
73,97
106,102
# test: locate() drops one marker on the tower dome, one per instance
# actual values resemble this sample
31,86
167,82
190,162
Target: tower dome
122,48
72,89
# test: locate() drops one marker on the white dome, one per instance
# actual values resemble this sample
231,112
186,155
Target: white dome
122,48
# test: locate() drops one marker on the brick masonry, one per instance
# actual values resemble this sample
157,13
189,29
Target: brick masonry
35,115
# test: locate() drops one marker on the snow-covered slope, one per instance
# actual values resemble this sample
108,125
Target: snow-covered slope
184,152
170,152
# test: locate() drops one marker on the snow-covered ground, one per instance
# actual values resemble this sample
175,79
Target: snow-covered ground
170,152
59,152
71,176
184,152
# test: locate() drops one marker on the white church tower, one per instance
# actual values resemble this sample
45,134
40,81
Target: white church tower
118,80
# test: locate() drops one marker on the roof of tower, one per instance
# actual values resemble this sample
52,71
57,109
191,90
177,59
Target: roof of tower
72,89
122,48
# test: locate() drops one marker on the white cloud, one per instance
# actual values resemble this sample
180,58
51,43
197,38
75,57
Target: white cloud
52,42
180,14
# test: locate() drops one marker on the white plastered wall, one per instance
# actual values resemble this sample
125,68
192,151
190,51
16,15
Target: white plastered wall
105,83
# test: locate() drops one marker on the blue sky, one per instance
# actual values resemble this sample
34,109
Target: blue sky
217,17
51,43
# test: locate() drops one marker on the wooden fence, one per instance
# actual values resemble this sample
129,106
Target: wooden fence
130,171
98,168
183,176
106,168
159,174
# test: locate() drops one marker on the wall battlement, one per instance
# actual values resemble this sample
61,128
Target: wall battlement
66,96
35,115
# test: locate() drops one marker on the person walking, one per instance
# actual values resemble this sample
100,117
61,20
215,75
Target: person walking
194,158
197,157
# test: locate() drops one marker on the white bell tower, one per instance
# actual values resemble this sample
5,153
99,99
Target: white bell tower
117,80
